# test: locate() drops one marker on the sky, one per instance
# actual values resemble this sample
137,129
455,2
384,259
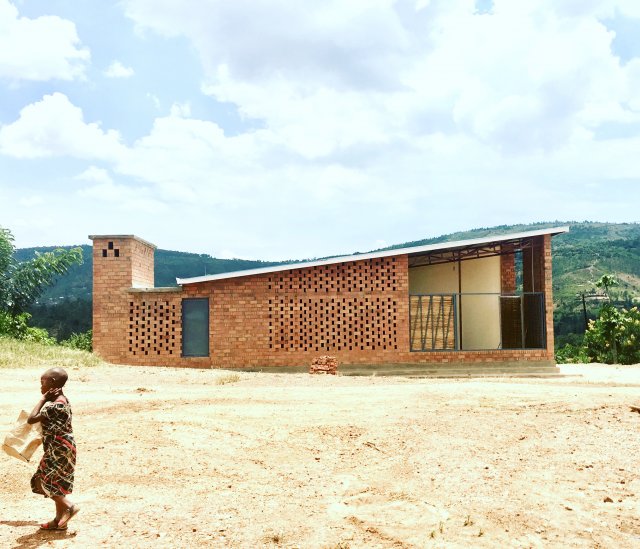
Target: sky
283,129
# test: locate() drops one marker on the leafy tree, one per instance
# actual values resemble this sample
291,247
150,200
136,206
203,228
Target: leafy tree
614,338
16,327
606,282
63,317
21,283
601,334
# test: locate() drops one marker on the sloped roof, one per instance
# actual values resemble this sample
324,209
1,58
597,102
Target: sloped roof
413,250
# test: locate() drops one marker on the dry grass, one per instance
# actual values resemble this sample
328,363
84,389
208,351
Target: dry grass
26,354
227,378
274,538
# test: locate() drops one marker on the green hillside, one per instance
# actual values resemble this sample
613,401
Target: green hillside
581,256
77,283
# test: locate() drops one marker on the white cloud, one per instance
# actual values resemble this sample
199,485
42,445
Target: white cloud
181,110
521,79
126,198
56,127
31,201
44,48
154,99
118,70
375,120
95,174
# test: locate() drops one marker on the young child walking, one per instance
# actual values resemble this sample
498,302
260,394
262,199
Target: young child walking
54,477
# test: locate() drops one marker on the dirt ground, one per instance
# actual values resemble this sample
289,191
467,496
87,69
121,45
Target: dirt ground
175,458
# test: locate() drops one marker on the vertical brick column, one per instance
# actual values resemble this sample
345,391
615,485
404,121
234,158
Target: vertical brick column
404,344
548,294
508,270
120,262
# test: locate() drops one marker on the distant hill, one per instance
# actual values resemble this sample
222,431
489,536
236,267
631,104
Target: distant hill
77,283
581,256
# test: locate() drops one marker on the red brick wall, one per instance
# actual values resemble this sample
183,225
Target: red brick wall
356,311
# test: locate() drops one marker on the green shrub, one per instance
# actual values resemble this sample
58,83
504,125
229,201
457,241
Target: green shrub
83,341
16,326
614,338
572,354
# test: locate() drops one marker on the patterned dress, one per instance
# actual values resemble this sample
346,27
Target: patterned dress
58,463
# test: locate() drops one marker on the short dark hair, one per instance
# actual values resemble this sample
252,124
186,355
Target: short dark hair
59,375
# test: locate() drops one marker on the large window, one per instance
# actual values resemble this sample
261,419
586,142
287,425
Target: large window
195,327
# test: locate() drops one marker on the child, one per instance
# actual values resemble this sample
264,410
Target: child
54,477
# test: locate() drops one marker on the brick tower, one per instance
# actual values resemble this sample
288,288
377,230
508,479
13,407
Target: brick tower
120,262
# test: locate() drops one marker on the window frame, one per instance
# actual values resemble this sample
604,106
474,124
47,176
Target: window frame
184,328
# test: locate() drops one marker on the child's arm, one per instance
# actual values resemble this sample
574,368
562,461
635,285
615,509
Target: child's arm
34,416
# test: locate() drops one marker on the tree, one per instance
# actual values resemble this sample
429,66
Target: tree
614,337
606,282
22,283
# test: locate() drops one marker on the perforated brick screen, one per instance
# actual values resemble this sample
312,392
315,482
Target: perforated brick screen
373,275
345,318
336,323
152,327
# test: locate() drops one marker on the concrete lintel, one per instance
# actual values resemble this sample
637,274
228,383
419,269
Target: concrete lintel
176,289
122,237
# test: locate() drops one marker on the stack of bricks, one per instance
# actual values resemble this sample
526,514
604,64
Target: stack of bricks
324,365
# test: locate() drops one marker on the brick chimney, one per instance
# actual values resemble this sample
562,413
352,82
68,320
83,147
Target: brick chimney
120,262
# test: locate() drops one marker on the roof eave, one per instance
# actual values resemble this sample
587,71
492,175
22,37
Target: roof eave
373,255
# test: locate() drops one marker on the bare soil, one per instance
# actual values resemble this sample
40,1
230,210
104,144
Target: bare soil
175,458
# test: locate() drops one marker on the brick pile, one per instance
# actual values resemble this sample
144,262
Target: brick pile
324,365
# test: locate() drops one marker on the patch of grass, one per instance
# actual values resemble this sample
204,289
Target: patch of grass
28,354
228,378
400,495
276,538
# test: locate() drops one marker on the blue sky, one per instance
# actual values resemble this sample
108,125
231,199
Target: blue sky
279,129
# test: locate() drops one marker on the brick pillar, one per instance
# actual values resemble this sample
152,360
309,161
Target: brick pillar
548,295
120,262
402,282
507,269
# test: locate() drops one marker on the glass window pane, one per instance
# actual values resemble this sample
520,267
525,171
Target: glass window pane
195,327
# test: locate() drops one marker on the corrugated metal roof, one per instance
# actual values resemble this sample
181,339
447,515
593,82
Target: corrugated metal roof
413,250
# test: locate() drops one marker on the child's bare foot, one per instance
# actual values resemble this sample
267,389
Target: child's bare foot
67,515
53,525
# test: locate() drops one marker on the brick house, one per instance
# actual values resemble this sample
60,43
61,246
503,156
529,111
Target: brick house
473,302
